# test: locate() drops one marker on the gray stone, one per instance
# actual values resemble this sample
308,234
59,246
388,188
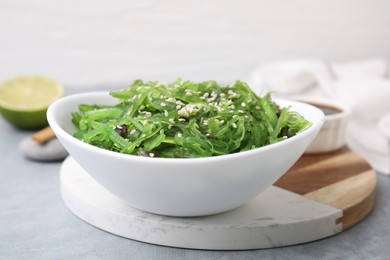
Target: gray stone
50,151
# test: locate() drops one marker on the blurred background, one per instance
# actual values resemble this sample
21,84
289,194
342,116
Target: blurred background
88,43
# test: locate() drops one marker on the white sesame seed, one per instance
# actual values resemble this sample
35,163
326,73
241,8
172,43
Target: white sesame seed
187,110
132,131
146,113
243,104
166,113
213,97
234,125
170,99
163,104
179,135
161,83
151,154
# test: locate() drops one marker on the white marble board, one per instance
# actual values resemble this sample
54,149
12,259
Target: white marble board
274,218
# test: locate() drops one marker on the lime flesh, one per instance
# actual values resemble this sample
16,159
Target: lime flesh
24,100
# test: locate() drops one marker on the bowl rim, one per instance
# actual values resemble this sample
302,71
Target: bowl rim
54,124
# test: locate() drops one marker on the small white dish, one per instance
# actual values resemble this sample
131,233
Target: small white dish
332,135
182,187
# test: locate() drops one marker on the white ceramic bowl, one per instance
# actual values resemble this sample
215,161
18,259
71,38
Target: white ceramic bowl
182,187
332,135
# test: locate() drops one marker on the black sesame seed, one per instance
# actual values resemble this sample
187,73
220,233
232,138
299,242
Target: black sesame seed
121,130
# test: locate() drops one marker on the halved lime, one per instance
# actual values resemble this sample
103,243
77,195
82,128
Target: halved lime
24,100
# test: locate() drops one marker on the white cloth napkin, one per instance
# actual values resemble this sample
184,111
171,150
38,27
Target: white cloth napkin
363,85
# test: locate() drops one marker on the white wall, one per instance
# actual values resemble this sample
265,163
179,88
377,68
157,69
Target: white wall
82,42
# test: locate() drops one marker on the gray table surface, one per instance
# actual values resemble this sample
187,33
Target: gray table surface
35,224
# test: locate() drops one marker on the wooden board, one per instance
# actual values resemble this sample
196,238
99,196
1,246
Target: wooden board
341,179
